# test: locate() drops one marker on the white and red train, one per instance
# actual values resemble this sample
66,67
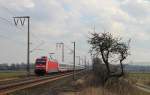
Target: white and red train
45,65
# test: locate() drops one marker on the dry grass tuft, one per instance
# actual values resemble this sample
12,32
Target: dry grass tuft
91,85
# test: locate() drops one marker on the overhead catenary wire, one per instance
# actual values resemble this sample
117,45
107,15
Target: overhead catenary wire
13,40
37,47
71,50
9,38
12,24
7,9
81,61
34,36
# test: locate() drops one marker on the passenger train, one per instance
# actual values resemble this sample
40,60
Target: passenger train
46,65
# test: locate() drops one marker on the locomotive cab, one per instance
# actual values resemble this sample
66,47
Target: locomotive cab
45,65
40,65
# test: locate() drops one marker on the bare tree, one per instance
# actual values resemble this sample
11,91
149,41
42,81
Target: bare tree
106,46
122,49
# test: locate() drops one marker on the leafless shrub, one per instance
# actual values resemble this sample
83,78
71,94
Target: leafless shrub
119,86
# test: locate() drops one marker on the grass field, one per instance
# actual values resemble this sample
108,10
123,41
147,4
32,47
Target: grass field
11,74
143,78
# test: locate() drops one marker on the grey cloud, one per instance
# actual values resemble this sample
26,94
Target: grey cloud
137,8
52,21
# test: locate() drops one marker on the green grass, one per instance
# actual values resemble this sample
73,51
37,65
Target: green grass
11,74
143,75
143,78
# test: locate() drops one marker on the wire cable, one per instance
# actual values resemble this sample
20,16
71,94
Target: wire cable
10,23
5,8
16,41
12,13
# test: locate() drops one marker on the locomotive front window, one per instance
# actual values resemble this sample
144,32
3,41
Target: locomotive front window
40,61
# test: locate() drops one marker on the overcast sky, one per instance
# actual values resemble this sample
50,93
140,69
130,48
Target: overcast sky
66,21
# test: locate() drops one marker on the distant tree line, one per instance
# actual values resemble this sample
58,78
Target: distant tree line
15,66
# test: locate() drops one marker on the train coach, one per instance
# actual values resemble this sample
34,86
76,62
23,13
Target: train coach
45,65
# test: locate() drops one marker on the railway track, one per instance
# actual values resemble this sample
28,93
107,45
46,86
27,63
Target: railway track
8,88
16,79
19,79
13,80
8,79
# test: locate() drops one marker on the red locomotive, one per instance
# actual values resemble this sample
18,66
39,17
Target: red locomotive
45,65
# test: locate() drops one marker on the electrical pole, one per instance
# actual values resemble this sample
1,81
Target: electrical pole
82,61
74,61
62,46
62,52
88,65
85,61
22,20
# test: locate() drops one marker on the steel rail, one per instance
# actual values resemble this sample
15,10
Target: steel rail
8,79
13,80
6,89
